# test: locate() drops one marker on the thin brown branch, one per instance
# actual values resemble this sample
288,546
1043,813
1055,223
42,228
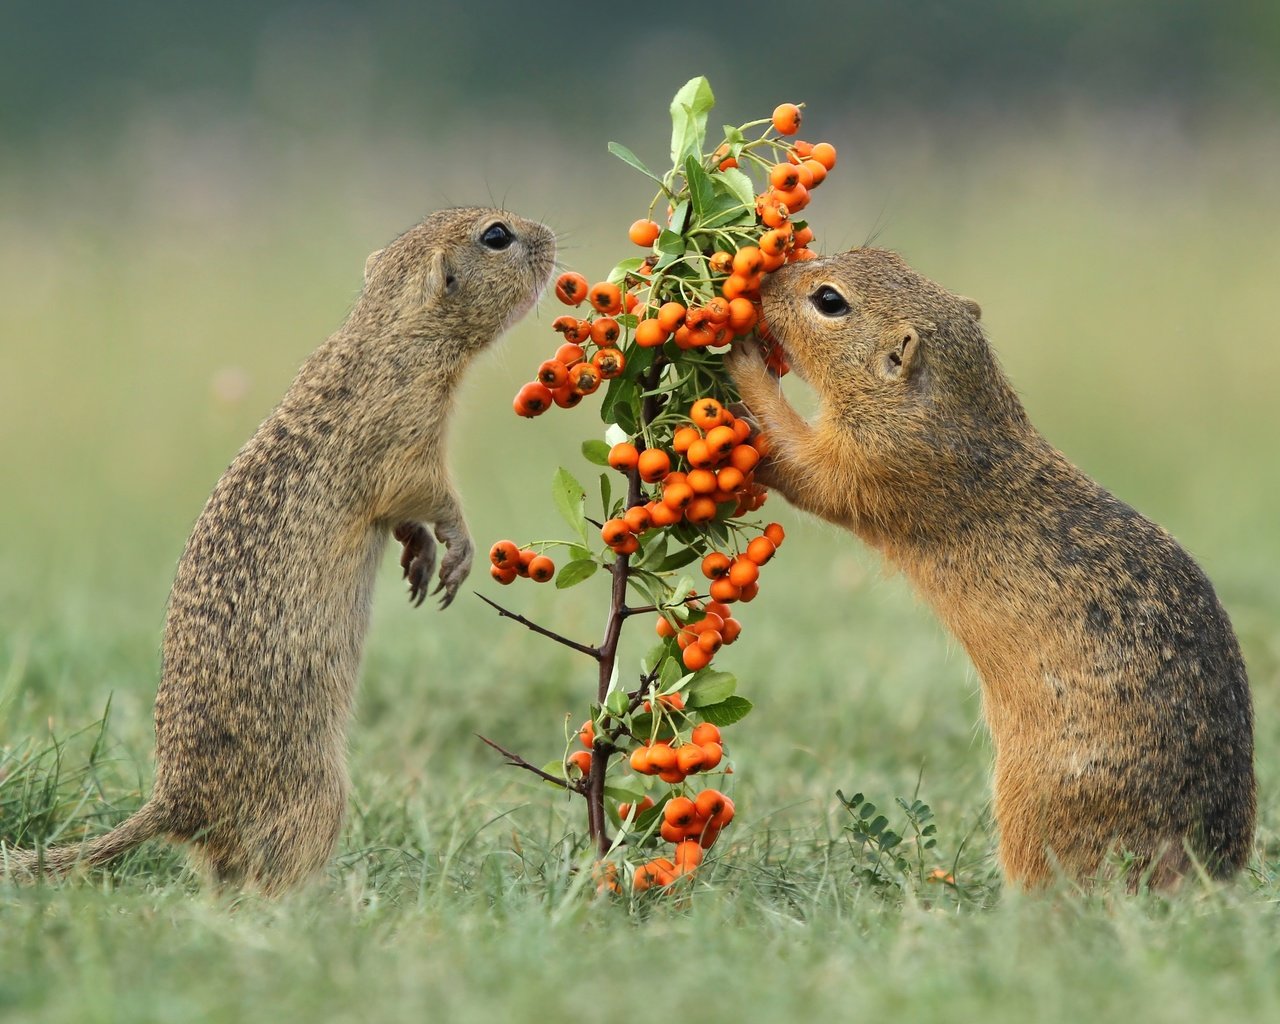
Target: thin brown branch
586,649
516,761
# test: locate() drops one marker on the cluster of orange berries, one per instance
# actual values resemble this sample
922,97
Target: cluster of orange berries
507,561
693,825
720,457
569,376
673,765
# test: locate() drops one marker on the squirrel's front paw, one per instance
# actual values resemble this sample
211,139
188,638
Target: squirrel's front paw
746,365
418,559
456,564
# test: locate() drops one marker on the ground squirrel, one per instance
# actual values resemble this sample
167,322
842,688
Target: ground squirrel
1112,681
270,606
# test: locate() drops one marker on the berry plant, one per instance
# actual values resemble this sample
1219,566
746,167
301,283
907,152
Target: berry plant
652,336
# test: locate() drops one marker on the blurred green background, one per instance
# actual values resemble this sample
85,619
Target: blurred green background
188,193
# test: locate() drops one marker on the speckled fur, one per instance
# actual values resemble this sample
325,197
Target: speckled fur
1112,681
270,606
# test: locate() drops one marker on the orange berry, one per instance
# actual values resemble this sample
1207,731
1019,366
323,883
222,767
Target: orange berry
801,255
688,855
695,657
541,569
584,378
711,755
570,353
504,554
644,232
615,531
760,550
784,176
571,288
717,310
661,756
623,456
825,154
526,559
775,533
629,545
772,262
742,315
684,437
703,481
701,510
680,811
707,413
744,458
730,630
786,118
624,809
710,640
725,591
673,777
743,572
774,214
749,593
587,734
566,397
720,262
651,334
609,362
721,440
689,758
605,331
737,286
573,329
716,608
671,833
802,237
715,565
715,807
552,374
664,515
640,762
677,495
671,315
729,479
747,261
653,464
532,400
503,574
664,628
816,171
774,242
800,150
705,733
606,298
701,455
580,759
638,518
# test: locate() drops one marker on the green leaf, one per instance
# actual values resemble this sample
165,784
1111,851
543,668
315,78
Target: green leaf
575,572
733,135
655,551
730,710
624,794
570,499
621,270
606,493
616,703
710,688
556,768
614,408
628,157
735,183
669,676
654,655
679,220
684,587
727,209
701,192
689,111
596,452
678,559
574,552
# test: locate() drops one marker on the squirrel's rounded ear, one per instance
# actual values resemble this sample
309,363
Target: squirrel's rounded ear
438,281
370,263
974,309
900,351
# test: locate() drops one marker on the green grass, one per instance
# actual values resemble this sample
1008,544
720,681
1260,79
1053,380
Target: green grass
1131,306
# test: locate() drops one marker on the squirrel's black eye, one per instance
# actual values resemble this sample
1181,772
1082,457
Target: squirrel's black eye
829,302
497,236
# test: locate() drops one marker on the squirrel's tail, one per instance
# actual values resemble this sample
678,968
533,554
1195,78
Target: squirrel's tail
26,865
